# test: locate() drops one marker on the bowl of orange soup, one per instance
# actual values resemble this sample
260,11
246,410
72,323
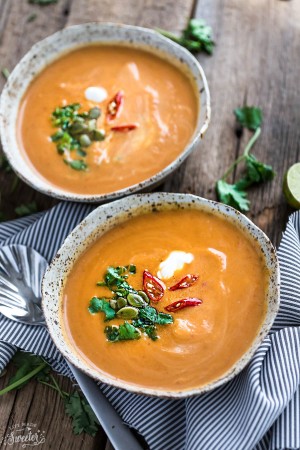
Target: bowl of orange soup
162,294
98,111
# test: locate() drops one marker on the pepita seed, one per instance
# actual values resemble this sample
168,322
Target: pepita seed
128,312
144,296
136,300
85,140
113,304
121,302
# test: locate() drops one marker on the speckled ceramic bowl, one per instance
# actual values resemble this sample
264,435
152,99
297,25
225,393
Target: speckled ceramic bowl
107,216
46,51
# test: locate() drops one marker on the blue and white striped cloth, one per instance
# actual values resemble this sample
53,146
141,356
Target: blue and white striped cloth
259,409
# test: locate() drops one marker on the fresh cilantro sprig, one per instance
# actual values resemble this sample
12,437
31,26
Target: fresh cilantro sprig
196,37
34,367
255,171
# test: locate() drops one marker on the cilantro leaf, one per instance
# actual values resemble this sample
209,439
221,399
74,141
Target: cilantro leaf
115,280
100,304
249,117
82,415
28,366
76,164
198,33
124,332
4,164
164,319
26,208
257,171
233,195
196,37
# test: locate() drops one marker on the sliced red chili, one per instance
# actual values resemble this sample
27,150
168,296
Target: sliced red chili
183,303
153,286
114,106
185,282
125,128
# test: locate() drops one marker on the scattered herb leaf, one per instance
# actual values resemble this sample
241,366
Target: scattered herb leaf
82,415
5,72
196,37
249,117
26,208
31,18
30,366
256,171
4,164
232,195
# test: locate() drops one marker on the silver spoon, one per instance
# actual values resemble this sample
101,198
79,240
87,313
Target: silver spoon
21,272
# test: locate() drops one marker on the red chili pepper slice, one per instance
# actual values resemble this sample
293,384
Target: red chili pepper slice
183,303
185,282
114,106
125,128
153,286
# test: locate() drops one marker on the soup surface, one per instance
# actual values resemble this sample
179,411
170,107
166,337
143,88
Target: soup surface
204,341
154,121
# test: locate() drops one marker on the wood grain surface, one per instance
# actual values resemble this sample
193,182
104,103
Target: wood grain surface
255,62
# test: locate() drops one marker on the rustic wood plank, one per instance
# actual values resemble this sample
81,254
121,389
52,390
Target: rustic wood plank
149,13
256,61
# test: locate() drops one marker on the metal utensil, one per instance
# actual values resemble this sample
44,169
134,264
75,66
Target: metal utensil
21,272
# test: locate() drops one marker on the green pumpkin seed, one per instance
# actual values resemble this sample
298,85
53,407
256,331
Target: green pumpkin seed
85,140
98,135
94,113
144,296
76,128
136,300
92,124
121,302
113,303
128,313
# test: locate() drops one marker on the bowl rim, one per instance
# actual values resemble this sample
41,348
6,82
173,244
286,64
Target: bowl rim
113,213
41,184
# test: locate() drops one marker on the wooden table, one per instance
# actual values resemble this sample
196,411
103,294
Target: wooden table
255,62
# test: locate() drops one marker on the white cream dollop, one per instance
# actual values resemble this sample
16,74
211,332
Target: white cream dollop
95,94
175,261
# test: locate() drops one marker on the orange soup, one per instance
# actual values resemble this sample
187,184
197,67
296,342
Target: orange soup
206,282
102,118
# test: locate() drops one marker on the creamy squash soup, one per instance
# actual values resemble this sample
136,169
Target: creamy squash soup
102,118
167,300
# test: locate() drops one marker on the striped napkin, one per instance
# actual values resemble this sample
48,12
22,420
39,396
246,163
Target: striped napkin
258,409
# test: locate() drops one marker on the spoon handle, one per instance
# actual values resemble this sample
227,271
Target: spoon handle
119,434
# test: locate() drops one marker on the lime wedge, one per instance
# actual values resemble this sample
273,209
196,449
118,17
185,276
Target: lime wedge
291,186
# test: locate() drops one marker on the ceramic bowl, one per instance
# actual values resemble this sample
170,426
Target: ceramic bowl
46,51
107,216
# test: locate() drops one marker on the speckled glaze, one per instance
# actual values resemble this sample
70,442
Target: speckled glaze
46,51
107,216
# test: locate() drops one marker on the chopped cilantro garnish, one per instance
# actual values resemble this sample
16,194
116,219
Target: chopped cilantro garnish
101,304
127,300
76,131
124,332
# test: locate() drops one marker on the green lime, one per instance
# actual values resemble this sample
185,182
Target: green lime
291,186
